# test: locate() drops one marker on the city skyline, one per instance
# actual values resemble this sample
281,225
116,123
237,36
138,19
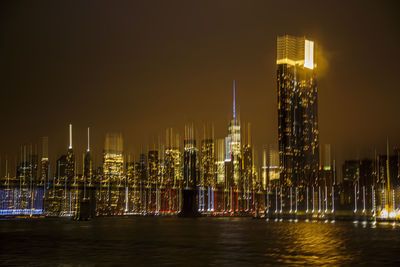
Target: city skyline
132,91
198,177
210,133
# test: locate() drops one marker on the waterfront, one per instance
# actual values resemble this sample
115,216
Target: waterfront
201,241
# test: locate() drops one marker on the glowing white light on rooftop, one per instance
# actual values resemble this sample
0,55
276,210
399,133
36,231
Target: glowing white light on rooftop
309,54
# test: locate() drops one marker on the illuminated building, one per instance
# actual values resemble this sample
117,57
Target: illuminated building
326,181
264,169
173,175
56,197
207,159
153,179
113,161
326,170
153,166
60,168
388,180
68,203
247,163
70,160
220,161
207,170
233,161
190,174
233,147
273,174
113,175
297,111
44,163
220,173
246,187
173,172
87,171
142,176
190,170
367,181
131,174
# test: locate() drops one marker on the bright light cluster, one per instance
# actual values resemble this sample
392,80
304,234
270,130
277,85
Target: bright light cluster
309,54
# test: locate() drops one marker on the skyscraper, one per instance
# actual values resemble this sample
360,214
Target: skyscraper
190,173
87,172
70,160
153,166
173,168
233,146
220,161
247,162
272,166
190,164
113,175
113,161
207,157
297,111
45,161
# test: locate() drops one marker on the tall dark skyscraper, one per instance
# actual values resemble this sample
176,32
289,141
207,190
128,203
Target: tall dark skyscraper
87,172
297,111
70,160
45,161
190,158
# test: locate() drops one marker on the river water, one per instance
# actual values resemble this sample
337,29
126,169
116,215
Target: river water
196,241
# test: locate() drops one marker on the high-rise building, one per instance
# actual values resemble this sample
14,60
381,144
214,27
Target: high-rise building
207,157
87,171
351,179
233,147
297,111
220,161
272,163
326,171
153,166
70,159
173,168
131,175
207,163
142,168
28,167
44,163
190,171
60,169
113,161
247,162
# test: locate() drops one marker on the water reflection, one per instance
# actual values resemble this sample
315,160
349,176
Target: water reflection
313,244
201,241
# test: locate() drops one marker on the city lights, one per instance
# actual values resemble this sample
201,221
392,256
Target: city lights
205,175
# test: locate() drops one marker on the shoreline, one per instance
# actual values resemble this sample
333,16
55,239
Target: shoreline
267,217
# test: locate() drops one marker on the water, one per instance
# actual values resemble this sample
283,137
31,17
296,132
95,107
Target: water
198,241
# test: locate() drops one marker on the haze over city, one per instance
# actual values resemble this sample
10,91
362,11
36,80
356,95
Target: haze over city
138,68
210,133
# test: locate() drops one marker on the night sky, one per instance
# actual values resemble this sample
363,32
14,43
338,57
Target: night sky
138,67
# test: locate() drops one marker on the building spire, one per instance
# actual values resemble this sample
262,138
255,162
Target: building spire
70,136
234,105
88,139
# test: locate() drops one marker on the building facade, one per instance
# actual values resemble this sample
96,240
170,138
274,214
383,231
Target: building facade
297,111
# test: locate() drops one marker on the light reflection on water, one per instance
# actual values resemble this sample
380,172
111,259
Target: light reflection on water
199,241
